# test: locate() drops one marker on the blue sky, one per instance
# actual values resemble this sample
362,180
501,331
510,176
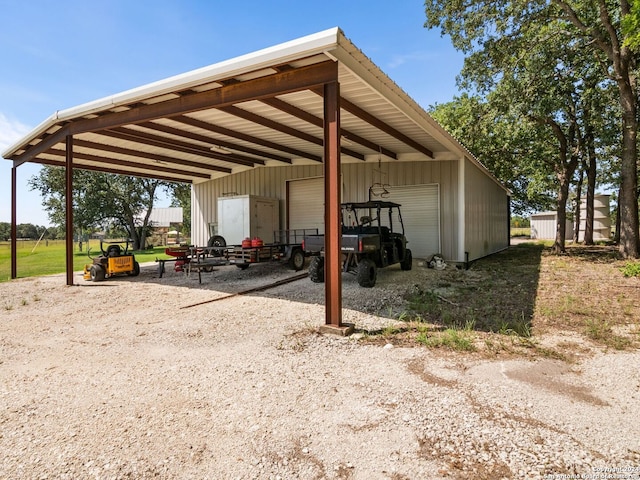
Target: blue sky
56,55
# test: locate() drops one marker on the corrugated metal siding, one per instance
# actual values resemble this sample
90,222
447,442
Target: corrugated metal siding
544,225
306,203
357,178
486,214
421,217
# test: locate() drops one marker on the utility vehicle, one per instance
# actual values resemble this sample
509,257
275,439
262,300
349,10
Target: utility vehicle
372,238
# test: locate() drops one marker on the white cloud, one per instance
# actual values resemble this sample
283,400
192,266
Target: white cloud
414,57
10,131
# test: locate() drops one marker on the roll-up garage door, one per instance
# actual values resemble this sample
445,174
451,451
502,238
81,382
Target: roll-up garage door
421,216
305,203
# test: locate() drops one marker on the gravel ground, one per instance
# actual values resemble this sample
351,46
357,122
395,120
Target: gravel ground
129,378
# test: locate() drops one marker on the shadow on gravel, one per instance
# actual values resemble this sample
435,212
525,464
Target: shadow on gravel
496,294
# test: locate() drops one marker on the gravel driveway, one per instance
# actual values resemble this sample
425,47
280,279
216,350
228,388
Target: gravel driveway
128,379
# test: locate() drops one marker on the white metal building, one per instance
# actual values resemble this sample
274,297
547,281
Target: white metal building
601,218
285,122
450,203
544,225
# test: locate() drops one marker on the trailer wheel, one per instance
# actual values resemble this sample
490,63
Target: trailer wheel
366,273
407,262
296,262
316,270
97,273
217,241
242,266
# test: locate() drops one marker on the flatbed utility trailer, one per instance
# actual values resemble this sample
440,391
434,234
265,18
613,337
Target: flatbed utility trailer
287,246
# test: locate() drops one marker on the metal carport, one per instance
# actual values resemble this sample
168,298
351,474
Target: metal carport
317,99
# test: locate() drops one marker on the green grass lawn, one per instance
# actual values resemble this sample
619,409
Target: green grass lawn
520,232
49,258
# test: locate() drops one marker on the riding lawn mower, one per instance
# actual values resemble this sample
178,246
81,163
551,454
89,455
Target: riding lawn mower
114,261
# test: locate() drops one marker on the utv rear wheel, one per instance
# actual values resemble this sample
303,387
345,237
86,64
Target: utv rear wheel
407,261
97,273
366,273
316,270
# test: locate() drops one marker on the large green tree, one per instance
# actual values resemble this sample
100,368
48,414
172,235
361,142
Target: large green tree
100,199
544,41
502,141
181,197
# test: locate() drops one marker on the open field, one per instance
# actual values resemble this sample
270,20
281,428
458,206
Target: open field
48,257
523,366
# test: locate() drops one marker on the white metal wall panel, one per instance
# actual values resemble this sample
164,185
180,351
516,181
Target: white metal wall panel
486,213
305,203
544,226
421,216
601,218
357,178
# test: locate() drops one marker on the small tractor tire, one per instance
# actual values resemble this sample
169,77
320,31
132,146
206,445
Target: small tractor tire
296,262
407,262
217,241
136,270
316,270
366,273
97,273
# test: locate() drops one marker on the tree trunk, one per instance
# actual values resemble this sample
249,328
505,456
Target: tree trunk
561,212
577,210
629,222
591,191
616,237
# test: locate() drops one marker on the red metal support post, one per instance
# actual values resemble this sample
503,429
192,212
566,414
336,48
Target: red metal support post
69,208
14,221
332,227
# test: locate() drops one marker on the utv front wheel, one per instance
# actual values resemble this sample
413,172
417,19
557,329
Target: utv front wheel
366,273
316,270
407,261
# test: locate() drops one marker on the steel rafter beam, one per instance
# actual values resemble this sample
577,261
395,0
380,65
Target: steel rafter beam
318,122
138,136
380,125
288,81
124,163
147,155
194,122
273,125
229,158
93,168
302,78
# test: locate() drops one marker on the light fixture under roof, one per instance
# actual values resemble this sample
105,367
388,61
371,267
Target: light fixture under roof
219,149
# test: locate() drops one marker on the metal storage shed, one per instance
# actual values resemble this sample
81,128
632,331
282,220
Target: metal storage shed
312,107
544,225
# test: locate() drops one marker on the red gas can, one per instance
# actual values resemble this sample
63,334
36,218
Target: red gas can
257,242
